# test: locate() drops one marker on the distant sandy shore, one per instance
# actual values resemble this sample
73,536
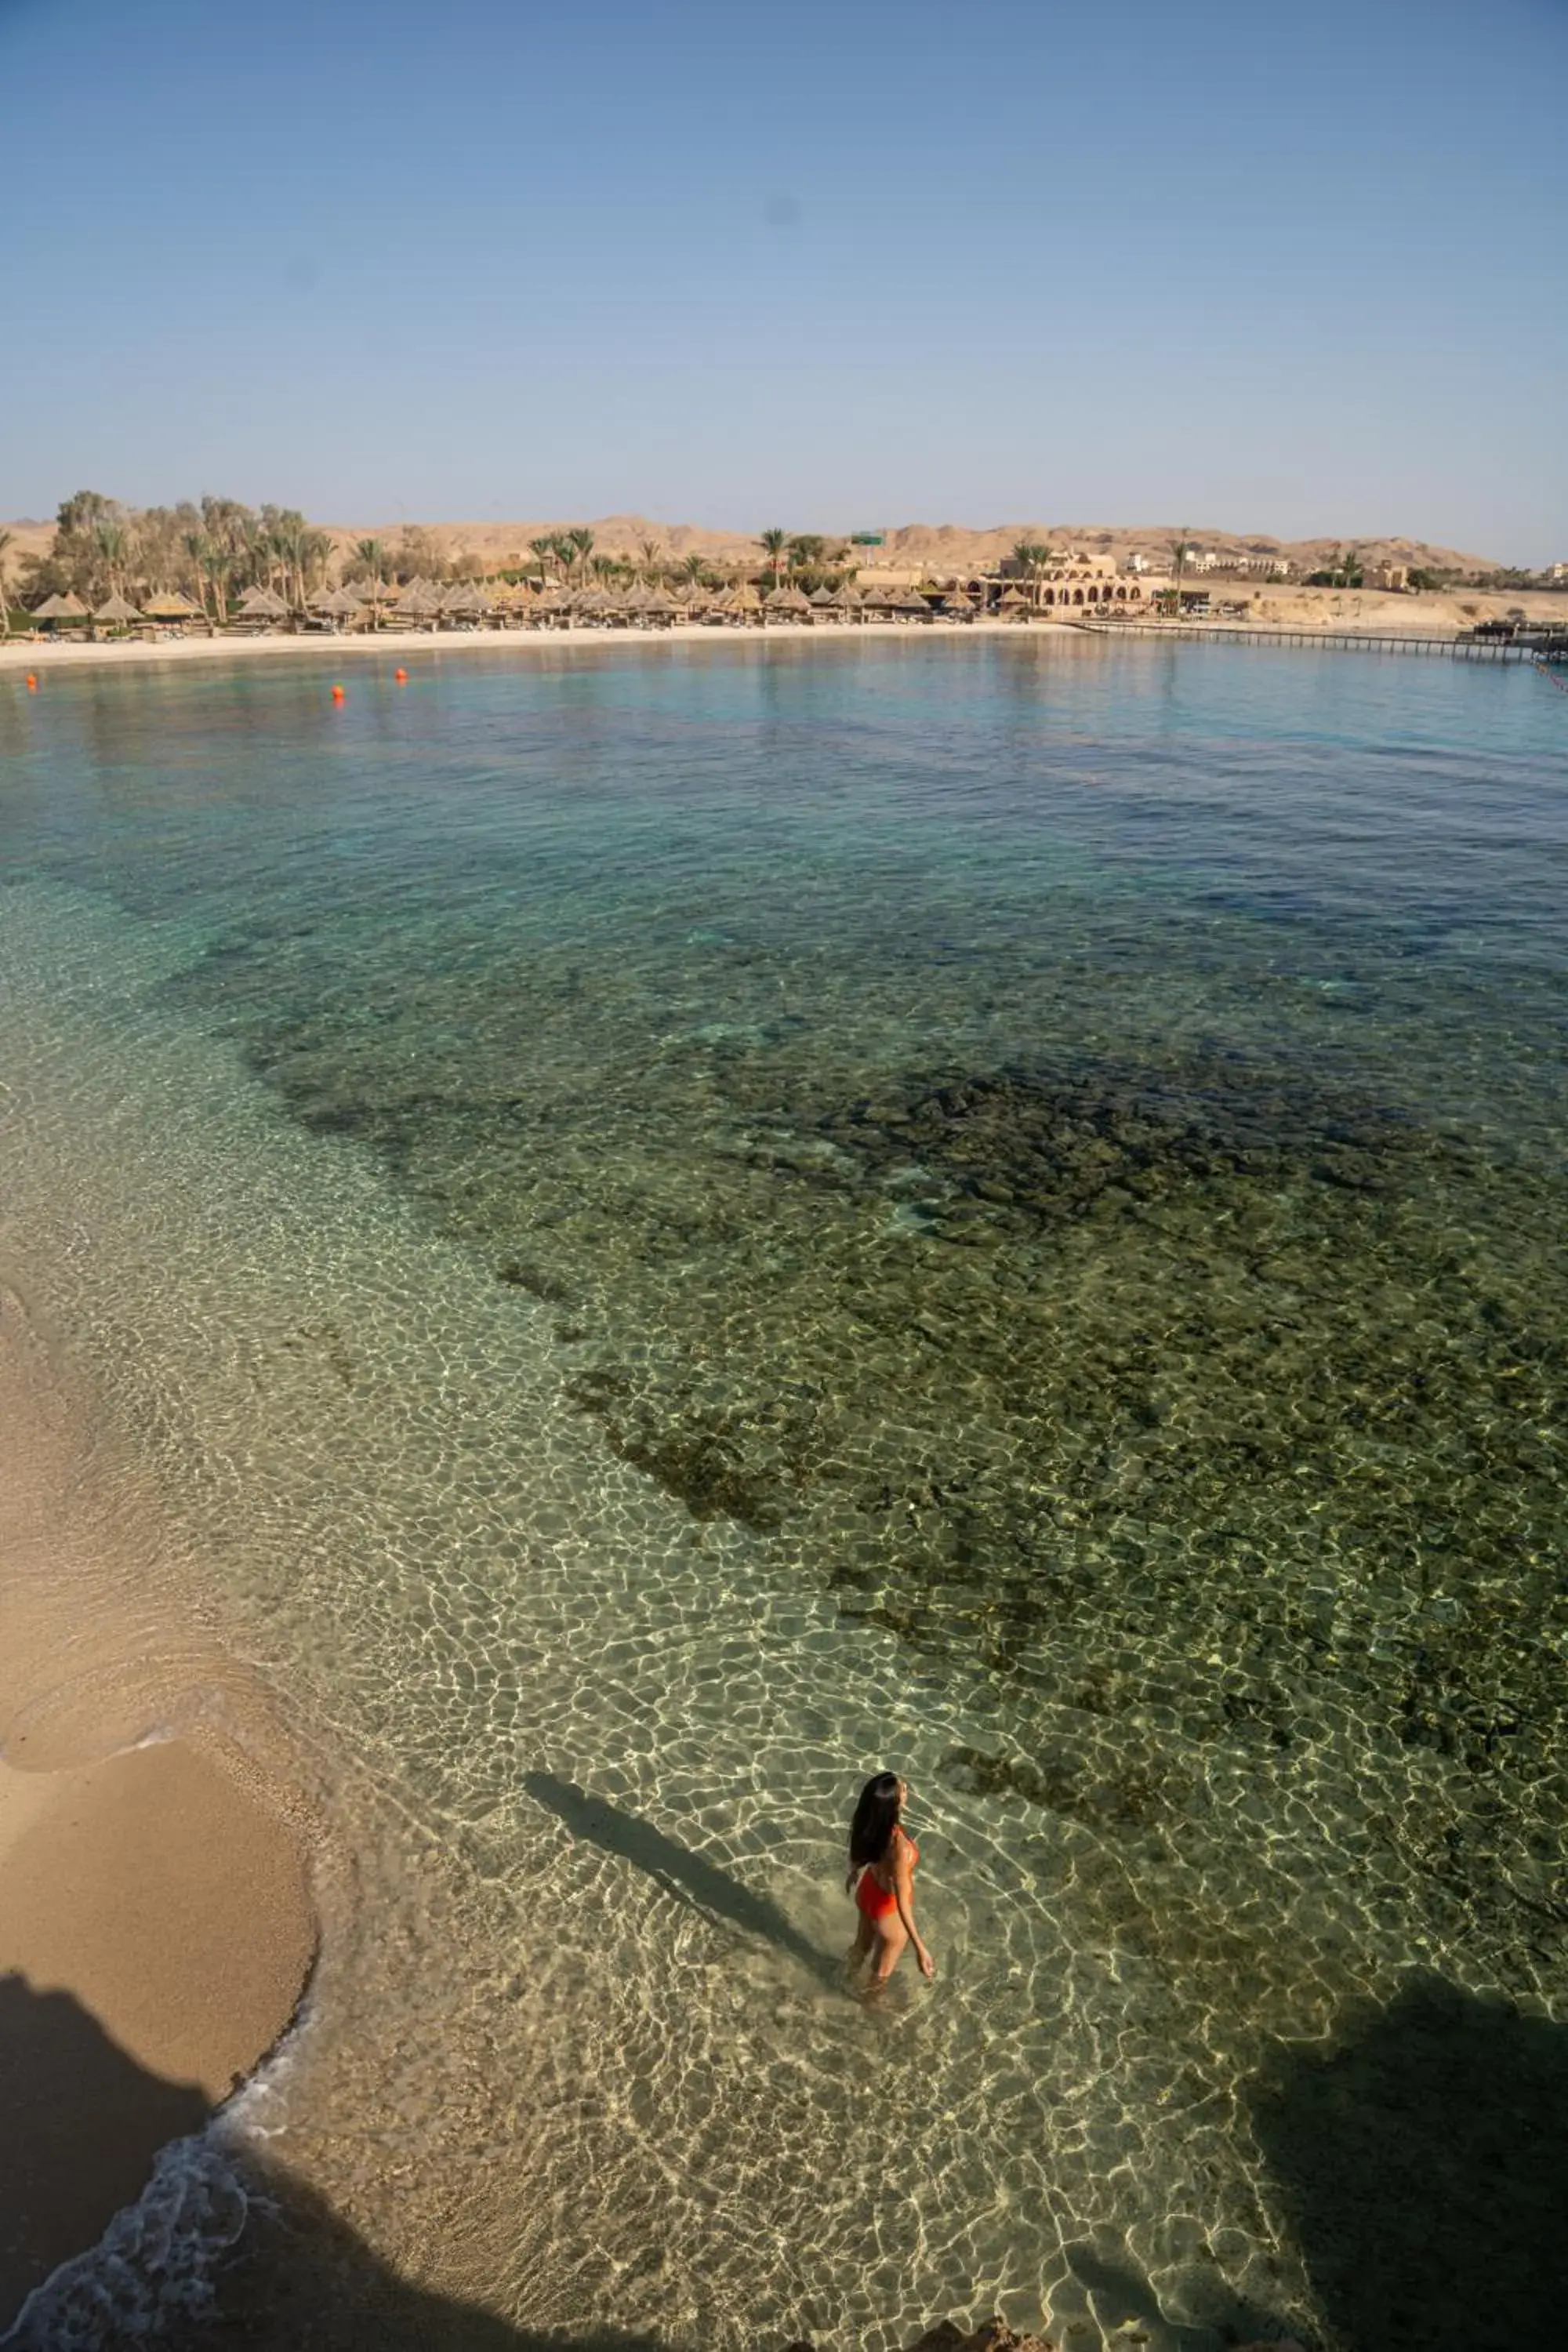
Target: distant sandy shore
1351,612
401,644
156,1922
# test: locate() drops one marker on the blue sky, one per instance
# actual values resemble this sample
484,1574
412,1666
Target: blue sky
1298,271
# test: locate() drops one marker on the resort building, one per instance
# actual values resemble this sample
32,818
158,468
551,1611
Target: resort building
1089,583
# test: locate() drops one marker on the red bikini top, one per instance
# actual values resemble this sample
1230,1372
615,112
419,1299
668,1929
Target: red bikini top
887,1861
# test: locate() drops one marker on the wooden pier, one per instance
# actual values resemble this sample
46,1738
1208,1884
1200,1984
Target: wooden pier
1533,645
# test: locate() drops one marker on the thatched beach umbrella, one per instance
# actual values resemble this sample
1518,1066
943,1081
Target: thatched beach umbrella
117,610
428,604
845,599
171,607
417,603
61,608
957,605
262,604
1014,603
783,603
742,600
341,604
514,599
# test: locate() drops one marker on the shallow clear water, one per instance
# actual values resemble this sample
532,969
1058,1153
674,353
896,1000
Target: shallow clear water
683,1225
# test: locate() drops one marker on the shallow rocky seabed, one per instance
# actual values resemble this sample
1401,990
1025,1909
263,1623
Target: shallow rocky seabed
1046,1171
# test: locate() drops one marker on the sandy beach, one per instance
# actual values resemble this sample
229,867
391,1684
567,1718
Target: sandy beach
156,1924
1331,610
401,645
155,1933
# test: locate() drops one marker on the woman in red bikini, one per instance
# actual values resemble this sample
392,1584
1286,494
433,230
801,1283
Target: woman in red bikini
882,1858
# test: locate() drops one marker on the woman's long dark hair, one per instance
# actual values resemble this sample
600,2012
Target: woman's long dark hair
876,1819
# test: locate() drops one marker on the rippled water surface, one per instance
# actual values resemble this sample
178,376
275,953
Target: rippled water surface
679,1226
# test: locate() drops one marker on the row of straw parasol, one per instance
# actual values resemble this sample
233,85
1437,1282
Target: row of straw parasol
117,610
421,601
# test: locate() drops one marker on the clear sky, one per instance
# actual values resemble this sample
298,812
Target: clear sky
825,263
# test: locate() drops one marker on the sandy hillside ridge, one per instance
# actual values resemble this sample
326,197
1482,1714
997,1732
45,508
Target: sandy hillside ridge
944,547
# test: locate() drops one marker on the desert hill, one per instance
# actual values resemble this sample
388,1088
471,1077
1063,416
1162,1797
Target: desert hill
944,547
938,547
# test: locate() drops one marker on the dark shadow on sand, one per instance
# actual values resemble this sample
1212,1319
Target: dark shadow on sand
303,2280
1420,2162
81,2123
688,1876
1121,2291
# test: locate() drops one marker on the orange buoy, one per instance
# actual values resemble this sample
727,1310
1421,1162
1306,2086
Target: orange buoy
337,694
32,681
401,675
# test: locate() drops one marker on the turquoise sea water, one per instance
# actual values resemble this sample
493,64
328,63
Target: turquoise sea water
680,1225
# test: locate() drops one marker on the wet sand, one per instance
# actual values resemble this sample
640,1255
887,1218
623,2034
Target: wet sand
156,1924
155,1935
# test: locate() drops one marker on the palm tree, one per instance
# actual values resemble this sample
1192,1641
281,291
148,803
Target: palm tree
372,555
651,554
581,544
218,565
7,539
111,539
773,543
547,551
1032,557
318,553
1180,548
292,538
197,548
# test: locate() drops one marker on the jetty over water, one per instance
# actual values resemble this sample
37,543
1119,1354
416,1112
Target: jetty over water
1526,644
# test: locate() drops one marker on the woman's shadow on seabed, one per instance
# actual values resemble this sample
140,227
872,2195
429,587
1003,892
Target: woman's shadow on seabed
690,1877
